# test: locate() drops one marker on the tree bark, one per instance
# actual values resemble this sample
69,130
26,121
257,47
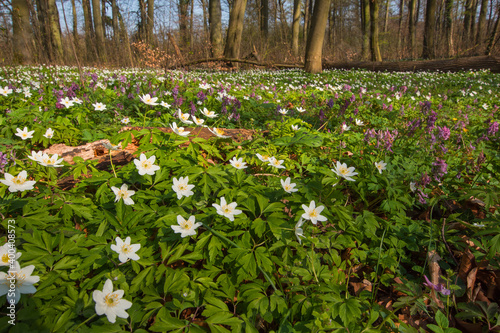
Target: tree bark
150,22
296,28
314,48
481,24
235,29
494,34
466,37
365,29
75,22
114,21
306,19
429,29
99,31
264,20
374,34
214,12
124,37
412,27
400,25
448,27
89,28
183,22
55,30
386,20
22,33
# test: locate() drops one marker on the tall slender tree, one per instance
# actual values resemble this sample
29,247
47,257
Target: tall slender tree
374,31
214,16
429,29
448,27
412,27
235,29
365,29
22,34
314,48
296,27
99,30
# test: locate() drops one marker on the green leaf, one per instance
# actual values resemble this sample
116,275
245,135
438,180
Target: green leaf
441,320
349,310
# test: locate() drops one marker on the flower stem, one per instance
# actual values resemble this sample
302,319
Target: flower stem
76,329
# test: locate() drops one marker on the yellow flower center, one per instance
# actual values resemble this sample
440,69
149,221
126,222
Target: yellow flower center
186,224
18,180
122,194
226,209
126,248
313,213
288,187
182,187
5,258
219,131
111,299
343,171
146,164
18,277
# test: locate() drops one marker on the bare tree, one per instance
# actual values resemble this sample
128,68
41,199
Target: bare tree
235,29
214,12
22,33
314,48
374,35
429,29
296,28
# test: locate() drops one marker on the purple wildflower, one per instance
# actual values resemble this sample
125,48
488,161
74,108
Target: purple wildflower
437,287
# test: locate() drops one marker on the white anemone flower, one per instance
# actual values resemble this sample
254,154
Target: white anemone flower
146,166
99,107
186,227
182,188
125,120
125,250
76,100
218,132
227,210
238,163
165,104
124,193
276,163
209,114
37,157
184,117
313,213
49,133
147,99
18,183
67,102
263,158
178,130
359,122
110,303
413,186
300,109
299,233
380,166
198,121
287,186
5,91
345,127
51,161
21,279
8,254
24,134
342,170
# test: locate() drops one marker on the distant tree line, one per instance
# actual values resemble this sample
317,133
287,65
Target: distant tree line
305,31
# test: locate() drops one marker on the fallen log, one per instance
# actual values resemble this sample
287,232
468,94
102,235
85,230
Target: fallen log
445,65
242,61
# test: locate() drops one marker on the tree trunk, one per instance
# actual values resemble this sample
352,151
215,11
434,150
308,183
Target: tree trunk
314,48
365,29
400,25
55,30
306,19
235,29
466,37
296,28
481,24
214,12
22,33
264,20
89,29
448,27
150,22
429,29
114,21
386,21
183,22
99,31
412,27
206,32
75,22
374,46
124,37
494,34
